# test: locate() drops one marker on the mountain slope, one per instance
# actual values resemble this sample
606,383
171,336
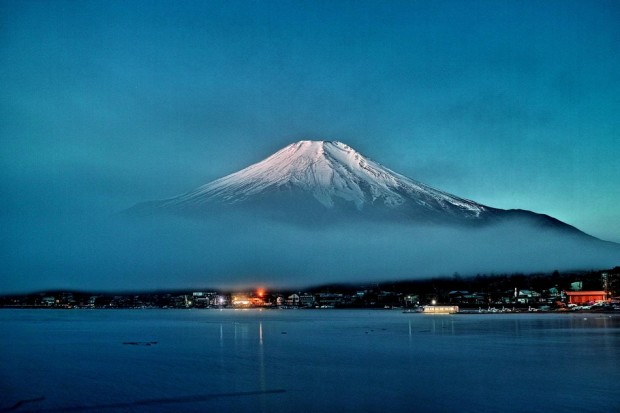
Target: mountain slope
322,180
333,173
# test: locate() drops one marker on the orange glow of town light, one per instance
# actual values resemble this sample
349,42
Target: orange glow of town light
260,292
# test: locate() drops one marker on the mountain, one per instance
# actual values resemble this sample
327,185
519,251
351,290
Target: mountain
321,181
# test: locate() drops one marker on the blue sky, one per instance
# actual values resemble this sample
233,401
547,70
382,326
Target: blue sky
109,103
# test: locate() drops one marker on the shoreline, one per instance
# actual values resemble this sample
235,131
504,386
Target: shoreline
463,311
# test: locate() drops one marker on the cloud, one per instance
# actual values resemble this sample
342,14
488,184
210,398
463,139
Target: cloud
242,249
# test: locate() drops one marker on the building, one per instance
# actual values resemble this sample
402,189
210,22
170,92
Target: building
440,309
465,297
306,300
293,299
411,300
204,299
329,299
528,297
240,300
584,297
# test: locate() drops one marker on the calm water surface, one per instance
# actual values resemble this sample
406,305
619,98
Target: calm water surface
313,361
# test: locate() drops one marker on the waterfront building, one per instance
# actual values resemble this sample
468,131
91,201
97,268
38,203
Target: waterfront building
240,300
584,297
440,309
306,300
293,299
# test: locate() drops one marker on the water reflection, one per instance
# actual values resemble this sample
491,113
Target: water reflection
262,376
566,360
410,333
442,326
517,327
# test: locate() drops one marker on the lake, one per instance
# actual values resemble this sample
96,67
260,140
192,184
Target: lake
306,360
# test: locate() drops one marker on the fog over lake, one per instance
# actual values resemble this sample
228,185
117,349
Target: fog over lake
245,249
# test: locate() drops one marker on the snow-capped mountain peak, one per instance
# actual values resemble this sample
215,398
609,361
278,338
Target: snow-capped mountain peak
331,172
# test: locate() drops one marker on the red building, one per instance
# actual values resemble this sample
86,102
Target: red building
583,297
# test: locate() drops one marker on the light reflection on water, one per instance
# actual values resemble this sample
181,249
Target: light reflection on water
321,360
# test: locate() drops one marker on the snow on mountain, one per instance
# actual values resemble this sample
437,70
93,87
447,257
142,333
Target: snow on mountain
322,182
331,172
